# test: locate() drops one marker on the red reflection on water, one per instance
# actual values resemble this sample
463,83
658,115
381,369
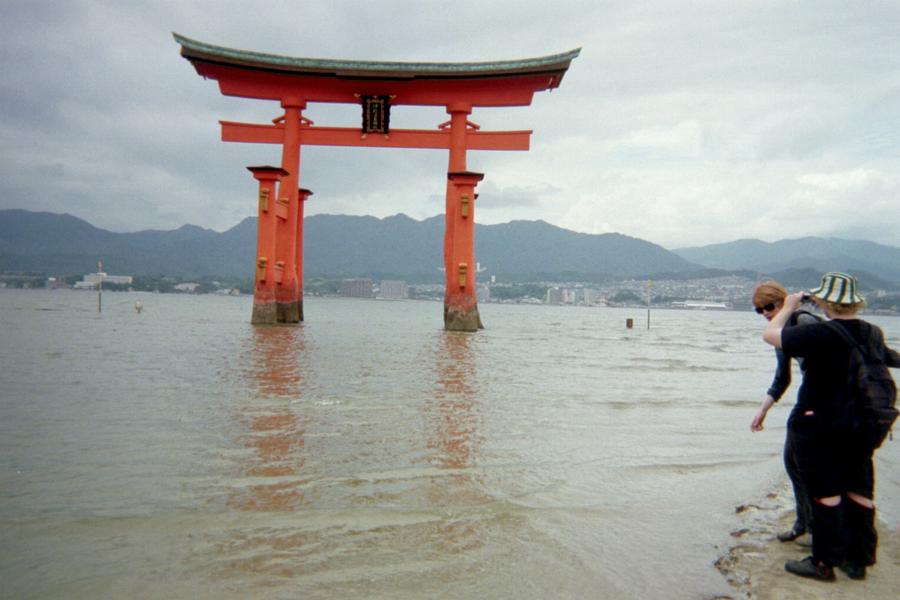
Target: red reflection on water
455,404
276,430
455,412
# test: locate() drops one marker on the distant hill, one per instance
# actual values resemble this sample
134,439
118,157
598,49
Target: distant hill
403,248
399,245
871,262
334,246
66,245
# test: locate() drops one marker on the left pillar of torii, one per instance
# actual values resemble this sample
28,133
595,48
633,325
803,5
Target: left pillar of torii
278,289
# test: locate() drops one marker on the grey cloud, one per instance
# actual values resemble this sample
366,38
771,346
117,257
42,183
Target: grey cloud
101,117
492,196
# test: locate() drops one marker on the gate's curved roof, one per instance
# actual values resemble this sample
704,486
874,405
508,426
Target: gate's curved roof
194,50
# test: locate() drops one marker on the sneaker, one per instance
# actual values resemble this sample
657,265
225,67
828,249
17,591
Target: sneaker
853,571
809,568
790,536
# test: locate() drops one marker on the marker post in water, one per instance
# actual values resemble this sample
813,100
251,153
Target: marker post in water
649,283
99,286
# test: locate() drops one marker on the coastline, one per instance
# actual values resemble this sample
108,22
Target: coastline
754,564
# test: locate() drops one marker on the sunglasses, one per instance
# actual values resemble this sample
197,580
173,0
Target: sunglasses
761,309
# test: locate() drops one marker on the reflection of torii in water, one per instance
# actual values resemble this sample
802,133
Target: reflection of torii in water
455,413
376,87
275,436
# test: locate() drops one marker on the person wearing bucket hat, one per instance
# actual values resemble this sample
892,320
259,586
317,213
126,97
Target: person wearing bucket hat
838,473
839,290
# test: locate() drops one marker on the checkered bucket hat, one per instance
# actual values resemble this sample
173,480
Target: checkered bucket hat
839,288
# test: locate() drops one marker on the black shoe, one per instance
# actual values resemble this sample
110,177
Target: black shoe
853,571
790,536
808,568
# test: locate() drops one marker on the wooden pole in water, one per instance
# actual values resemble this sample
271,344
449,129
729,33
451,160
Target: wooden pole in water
649,283
99,286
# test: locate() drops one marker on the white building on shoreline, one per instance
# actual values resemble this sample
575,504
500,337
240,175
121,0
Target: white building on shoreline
90,281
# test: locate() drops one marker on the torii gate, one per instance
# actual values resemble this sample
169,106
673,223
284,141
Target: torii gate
376,86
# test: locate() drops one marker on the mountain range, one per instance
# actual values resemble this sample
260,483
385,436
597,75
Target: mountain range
820,254
403,248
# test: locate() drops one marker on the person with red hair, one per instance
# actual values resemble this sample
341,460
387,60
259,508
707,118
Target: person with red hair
768,298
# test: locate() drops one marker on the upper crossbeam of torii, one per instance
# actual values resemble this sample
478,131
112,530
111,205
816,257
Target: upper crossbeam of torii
376,87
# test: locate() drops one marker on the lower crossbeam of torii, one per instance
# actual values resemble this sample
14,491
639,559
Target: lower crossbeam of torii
376,87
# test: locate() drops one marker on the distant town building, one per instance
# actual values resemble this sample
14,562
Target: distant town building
394,290
96,277
228,292
189,287
484,293
357,288
700,305
554,295
91,280
590,296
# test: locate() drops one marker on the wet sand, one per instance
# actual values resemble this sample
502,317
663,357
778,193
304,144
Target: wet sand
754,565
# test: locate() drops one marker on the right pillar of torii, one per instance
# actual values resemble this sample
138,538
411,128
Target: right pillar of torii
460,293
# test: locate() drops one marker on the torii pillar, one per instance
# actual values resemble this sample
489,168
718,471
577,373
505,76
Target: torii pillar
269,272
278,286
289,292
303,195
460,293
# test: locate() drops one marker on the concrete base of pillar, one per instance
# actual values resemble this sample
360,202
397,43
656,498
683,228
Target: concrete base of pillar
264,314
456,319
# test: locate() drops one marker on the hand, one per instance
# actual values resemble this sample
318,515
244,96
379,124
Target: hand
757,423
793,301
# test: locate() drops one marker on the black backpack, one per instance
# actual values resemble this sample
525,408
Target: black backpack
867,409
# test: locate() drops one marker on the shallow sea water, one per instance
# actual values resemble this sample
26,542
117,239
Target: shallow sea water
182,452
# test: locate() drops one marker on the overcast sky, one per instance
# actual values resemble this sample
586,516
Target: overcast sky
681,123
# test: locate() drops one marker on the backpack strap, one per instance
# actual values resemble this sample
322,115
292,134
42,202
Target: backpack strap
867,349
802,313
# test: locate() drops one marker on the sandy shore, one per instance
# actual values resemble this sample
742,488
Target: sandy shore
754,565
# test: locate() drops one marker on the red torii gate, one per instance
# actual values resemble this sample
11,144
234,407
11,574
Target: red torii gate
376,86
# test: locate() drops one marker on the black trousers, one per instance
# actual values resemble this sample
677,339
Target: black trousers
801,494
829,466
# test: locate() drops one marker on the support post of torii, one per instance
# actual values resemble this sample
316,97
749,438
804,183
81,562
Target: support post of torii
461,295
289,294
269,272
303,195
376,87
